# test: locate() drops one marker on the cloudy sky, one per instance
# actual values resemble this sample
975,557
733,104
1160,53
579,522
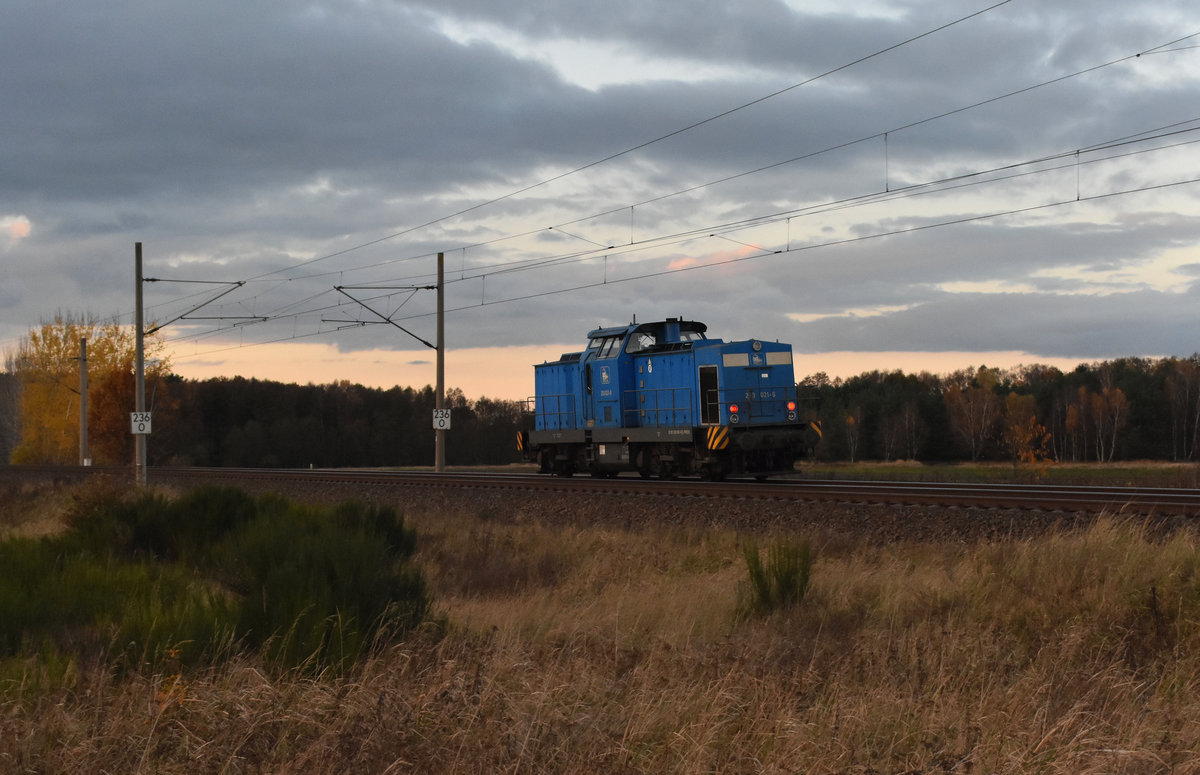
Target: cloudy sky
921,184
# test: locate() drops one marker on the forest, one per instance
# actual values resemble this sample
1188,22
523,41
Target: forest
258,423
1122,409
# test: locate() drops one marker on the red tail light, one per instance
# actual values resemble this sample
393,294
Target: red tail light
791,406
733,408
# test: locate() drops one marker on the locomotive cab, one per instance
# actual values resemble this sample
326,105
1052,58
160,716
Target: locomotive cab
662,398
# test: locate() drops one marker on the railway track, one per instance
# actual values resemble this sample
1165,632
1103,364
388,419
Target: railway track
1117,500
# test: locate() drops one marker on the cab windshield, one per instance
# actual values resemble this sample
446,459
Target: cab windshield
605,346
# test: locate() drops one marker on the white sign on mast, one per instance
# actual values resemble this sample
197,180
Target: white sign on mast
139,423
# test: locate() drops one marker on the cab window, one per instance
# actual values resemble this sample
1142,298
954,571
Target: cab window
610,346
642,340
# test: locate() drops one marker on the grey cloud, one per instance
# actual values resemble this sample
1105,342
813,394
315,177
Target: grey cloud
239,139
1043,324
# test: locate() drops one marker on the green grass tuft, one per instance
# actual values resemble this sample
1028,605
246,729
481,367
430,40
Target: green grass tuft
782,581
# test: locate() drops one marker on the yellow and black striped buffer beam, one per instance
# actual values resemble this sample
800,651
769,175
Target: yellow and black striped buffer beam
816,426
718,437
520,441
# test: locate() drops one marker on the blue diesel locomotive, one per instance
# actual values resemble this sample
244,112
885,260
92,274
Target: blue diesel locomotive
663,399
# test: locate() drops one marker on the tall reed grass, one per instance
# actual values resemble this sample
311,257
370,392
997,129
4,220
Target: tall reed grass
576,649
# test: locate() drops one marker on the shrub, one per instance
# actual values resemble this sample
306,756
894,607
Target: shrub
151,527
90,605
145,579
317,585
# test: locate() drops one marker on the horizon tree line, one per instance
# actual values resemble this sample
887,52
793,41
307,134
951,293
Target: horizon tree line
1127,408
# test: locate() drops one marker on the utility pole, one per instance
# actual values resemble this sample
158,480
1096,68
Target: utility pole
440,438
140,420
84,459
139,391
441,418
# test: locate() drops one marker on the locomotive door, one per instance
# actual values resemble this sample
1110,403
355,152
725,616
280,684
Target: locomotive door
710,396
589,417
601,407
606,394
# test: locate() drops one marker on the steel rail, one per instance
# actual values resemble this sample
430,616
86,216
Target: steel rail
1045,497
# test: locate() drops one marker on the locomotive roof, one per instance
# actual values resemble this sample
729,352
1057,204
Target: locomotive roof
684,325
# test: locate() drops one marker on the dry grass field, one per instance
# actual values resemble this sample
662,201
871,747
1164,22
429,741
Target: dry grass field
580,649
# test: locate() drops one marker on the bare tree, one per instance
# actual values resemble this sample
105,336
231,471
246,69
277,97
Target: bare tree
853,431
1110,413
973,412
1183,396
914,429
10,408
891,434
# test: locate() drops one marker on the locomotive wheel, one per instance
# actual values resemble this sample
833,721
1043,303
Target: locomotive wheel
644,464
566,466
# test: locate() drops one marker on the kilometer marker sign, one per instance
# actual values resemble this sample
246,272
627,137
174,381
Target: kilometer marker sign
139,423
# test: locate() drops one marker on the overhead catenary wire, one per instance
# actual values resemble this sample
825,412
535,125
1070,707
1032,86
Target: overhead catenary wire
921,189
831,243
644,144
1170,47
894,194
777,252
537,262
795,159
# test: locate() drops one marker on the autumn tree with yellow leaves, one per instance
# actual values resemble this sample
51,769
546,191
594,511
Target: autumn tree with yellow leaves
46,363
1025,436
